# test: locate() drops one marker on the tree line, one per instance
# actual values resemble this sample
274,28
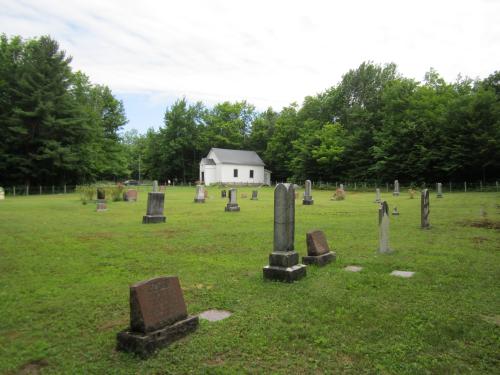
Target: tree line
374,125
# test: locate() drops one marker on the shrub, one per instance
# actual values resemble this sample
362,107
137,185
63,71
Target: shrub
86,192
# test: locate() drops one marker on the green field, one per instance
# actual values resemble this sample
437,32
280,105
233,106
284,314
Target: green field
65,271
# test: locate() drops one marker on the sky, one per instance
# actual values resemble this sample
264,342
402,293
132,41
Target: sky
269,53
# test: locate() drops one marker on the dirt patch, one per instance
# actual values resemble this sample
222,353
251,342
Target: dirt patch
32,367
483,223
95,236
495,319
116,323
479,240
217,361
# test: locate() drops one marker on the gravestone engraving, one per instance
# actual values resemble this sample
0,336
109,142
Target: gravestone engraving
158,316
130,195
200,194
396,188
307,194
155,186
383,225
284,260
223,194
439,190
318,251
2,194
154,213
232,204
424,209
377,196
254,195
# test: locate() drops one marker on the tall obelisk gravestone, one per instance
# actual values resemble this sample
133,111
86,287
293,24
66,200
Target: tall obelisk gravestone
396,188
307,194
424,210
284,261
383,228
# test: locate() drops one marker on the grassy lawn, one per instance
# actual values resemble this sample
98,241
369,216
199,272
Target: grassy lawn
65,271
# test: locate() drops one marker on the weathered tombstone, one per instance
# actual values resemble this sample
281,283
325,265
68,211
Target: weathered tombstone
154,213
155,186
396,188
232,205
383,228
318,251
395,211
101,200
254,195
424,209
341,187
307,194
377,196
284,261
130,195
2,194
158,316
439,190
200,194
223,194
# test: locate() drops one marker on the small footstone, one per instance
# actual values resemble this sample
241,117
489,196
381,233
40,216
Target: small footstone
353,268
405,274
215,315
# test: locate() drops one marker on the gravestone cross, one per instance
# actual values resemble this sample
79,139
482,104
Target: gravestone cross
307,194
284,260
424,209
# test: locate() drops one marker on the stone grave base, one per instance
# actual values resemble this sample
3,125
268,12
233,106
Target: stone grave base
153,219
395,194
196,200
101,206
319,260
439,196
145,344
308,202
287,274
231,207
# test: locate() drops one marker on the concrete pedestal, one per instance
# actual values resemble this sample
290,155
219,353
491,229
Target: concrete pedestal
319,260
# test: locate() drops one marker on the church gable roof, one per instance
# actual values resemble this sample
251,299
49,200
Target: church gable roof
241,157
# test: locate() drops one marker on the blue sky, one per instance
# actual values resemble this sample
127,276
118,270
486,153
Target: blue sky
269,53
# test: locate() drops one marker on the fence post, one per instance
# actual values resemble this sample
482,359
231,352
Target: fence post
387,186
64,188
496,183
14,190
53,189
355,186
40,189
465,186
450,186
480,185
27,190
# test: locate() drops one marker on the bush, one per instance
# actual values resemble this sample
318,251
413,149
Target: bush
116,192
86,192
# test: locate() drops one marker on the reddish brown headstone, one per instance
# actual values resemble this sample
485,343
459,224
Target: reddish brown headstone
156,303
131,195
316,243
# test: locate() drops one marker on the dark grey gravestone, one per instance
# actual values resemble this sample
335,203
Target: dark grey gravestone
383,227
284,261
223,194
396,188
200,194
101,194
158,316
424,209
318,252
395,211
232,205
307,194
154,212
254,195
439,190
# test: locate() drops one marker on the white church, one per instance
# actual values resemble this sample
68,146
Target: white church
238,167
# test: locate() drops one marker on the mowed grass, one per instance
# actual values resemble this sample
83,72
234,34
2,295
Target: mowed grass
65,271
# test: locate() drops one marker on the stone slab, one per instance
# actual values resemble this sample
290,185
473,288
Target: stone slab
215,315
153,219
286,274
306,202
156,303
101,206
145,344
284,258
316,243
196,200
405,274
319,260
353,268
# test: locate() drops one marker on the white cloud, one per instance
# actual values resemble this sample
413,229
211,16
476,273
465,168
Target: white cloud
267,52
